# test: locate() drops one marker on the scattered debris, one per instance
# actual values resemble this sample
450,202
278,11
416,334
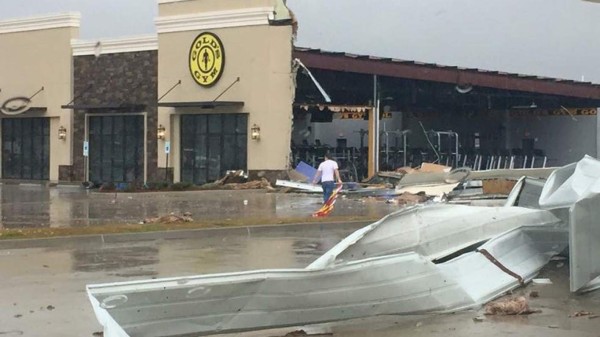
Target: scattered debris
299,185
434,168
296,333
498,186
98,334
169,219
449,247
50,307
237,180
408,198
436,190
263,183
553,326
509,306
478,319
406,170
18,316
581,314
534,294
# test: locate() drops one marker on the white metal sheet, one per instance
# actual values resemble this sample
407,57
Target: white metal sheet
434,231
405,283
576,188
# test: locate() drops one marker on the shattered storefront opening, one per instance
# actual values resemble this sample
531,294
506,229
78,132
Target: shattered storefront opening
455,117
312,121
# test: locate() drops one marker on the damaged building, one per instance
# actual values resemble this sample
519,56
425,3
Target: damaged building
222,87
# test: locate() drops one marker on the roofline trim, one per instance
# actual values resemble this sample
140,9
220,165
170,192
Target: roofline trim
160,2
216,19
114,46
430,72
50,21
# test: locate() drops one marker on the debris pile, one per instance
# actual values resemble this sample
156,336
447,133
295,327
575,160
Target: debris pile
170,219
509,306
583,313
408,198
255,184
237,180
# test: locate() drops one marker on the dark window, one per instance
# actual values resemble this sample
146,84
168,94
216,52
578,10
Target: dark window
211,145
26,148
116,148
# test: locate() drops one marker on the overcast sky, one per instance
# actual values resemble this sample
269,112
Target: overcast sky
556,38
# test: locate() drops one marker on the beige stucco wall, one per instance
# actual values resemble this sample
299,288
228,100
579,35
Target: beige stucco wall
260,56
33,59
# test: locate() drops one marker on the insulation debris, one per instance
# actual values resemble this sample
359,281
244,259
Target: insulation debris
581,314
509,306
408,198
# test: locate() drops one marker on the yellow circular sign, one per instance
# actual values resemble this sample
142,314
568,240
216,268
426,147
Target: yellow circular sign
207,59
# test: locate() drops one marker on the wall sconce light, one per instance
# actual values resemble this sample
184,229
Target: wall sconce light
255,132
62,133
160,132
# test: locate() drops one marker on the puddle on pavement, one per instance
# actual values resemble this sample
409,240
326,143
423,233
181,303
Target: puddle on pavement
227,252
38,206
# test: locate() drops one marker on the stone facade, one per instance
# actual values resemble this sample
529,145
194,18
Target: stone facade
126,79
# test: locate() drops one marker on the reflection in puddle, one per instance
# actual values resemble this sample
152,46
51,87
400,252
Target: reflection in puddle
39,206
115,258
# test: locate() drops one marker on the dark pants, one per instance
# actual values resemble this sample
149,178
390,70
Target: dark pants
327,189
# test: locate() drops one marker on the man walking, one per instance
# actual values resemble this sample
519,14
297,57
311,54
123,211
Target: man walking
327,171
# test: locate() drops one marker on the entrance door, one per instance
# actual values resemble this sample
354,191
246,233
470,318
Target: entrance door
211,145
116,148
26,148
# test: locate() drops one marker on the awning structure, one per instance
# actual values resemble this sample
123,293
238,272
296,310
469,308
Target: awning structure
34,109
202,104
125,107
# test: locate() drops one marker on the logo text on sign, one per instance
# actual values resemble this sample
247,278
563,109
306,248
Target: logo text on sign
207,59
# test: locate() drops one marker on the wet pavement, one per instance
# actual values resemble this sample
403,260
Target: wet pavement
42,283
63,206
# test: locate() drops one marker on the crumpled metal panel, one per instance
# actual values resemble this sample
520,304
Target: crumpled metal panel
433,231
397,283
526,193
584,243
576,188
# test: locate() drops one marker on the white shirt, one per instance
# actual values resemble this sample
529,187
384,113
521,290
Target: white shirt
327,169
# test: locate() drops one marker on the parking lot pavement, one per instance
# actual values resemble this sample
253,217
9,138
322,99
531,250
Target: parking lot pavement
34,206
